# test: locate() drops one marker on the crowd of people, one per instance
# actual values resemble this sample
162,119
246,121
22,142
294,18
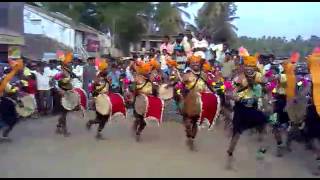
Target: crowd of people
206,81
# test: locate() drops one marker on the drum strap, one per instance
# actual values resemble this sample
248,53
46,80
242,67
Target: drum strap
200,77
143,84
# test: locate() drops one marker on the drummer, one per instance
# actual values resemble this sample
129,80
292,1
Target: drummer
147,80
8,113
100,87
64,85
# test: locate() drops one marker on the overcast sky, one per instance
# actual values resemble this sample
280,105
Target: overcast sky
288,19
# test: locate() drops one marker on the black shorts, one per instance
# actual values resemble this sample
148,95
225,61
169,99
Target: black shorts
246,118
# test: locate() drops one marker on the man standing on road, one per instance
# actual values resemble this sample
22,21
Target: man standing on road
43,90
89,73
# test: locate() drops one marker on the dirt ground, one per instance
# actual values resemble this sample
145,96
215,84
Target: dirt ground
36,151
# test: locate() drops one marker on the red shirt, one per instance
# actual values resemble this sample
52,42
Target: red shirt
32,86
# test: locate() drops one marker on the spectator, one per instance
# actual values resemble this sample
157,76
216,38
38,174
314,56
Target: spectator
114,75
228,66
78,72
188,43
166,45
220,50
179,54
43,90
163,63
89,73
209,53
31,89
200,46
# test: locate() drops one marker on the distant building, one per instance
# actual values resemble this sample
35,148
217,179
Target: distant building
11,29
80,38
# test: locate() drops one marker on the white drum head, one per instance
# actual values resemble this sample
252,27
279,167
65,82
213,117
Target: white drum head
70,100
140,105
102,104
28,106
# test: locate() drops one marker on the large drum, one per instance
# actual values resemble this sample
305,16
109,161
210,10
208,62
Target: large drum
150,107
206,105
28,106
74,98
110,104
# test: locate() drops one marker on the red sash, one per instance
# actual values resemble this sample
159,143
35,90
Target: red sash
83,97
117,104
155,108
210,108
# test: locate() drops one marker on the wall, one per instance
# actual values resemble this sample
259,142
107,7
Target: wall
39,23
11,18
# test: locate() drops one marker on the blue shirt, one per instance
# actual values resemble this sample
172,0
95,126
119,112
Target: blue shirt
115,76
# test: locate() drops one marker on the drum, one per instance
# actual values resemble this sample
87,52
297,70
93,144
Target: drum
118,105
28,106
206,105
83,97
150,107
111,103
102,104
70,100
165,92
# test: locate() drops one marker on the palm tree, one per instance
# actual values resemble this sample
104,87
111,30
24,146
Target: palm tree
215,18
164,17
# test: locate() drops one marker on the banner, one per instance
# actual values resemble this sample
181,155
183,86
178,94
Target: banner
14,52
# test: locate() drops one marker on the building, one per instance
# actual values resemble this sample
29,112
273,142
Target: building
11,30
80,38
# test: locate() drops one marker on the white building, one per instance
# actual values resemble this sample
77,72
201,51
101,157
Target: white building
82,39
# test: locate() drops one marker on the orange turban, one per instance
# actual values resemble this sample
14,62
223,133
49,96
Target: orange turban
172,63
103,65
195,59
250,60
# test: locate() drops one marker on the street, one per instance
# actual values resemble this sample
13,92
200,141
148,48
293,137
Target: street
36,151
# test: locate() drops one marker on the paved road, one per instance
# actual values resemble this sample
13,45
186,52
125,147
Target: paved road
38,152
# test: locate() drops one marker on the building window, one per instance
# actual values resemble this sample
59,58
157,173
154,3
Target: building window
153,44
143,44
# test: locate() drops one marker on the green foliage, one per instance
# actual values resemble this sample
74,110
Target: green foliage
214,18
126,20
278,45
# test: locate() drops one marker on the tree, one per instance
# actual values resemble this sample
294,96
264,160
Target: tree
215,18
127,21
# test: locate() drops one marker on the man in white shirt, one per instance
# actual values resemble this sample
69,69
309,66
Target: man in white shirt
78,71
43,91
187,42
220,50
200,46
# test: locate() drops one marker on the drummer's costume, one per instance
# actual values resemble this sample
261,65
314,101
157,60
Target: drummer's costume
8,113
8,101
198,101
147,80
100,89
64,85
246,112
312,121
285,91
